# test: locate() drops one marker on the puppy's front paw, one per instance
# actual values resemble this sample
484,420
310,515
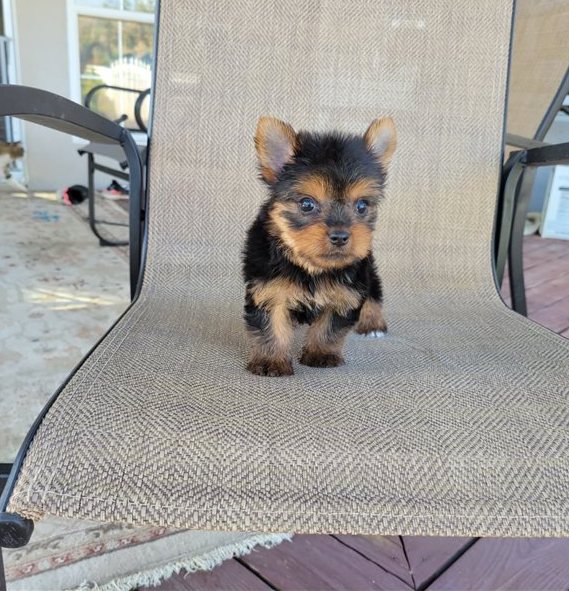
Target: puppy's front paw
374,334
320,359
270,367
371,322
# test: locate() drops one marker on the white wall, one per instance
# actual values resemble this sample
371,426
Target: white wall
42,45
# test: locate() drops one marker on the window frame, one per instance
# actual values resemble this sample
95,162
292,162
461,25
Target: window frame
73,14
9,17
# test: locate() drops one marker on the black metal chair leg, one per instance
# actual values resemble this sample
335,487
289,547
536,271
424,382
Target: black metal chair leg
91,196
515,254
513,171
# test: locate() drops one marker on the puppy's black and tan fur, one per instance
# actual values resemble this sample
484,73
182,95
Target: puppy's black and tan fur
308,256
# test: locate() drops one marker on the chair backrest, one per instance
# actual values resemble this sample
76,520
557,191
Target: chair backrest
437,66
540,60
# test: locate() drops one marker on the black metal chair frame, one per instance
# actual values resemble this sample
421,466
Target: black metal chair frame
61,114
515,194
142,95
93,165
53,111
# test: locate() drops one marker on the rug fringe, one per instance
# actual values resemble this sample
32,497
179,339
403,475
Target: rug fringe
206,561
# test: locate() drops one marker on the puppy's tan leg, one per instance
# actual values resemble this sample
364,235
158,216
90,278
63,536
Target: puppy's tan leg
270,335
371,321
325,340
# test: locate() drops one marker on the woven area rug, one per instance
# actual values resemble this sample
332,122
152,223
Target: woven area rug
59,293
65,554
111,219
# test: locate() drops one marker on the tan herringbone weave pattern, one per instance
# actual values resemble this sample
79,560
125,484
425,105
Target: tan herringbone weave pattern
456,424
540,57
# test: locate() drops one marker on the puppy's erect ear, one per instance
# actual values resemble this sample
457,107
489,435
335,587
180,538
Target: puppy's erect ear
275,141
381,139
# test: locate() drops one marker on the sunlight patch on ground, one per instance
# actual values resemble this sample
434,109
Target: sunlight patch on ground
65,300
59,293
45,195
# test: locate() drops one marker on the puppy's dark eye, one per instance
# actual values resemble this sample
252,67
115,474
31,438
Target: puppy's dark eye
307,205
361,206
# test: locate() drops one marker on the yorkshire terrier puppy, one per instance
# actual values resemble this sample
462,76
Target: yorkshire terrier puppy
307,257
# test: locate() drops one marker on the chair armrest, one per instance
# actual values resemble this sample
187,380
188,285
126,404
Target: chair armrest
548,155
57,112
517,141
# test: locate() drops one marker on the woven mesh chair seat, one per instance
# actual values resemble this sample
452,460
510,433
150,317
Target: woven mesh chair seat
456,423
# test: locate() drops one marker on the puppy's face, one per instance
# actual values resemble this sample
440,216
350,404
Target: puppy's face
325,190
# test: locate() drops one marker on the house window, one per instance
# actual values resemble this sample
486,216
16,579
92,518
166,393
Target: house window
115,45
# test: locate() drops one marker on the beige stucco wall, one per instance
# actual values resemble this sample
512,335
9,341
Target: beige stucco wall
41,40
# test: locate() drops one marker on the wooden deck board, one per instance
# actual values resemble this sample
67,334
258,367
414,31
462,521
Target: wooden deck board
385,551
320,562
538,258
538,250
548,293
555,316
546,271
516,565
428,555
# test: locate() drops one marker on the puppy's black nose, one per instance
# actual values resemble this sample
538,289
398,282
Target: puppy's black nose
339,237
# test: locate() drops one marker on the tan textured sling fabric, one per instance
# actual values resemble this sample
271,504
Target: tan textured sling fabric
456,423
540,58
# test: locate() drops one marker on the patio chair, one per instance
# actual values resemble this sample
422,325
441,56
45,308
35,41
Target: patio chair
109,101
454,424
539,83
